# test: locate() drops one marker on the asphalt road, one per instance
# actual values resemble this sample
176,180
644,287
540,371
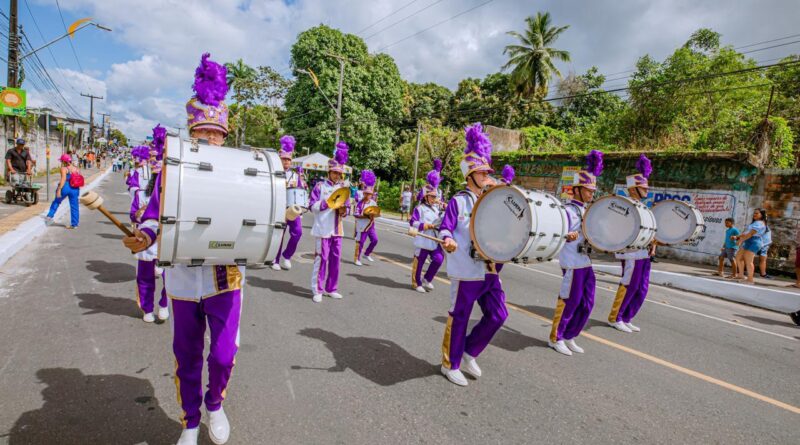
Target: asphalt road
78,366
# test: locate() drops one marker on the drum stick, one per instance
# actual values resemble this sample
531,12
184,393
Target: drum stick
95,202
414,232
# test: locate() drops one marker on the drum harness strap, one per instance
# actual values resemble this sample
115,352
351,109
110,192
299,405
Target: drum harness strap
583,247
490,266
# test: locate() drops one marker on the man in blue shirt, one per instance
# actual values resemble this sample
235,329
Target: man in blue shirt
728,249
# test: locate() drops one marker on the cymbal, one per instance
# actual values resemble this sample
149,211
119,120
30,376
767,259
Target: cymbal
372,211
338,198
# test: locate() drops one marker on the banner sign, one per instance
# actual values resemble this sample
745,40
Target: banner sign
12,102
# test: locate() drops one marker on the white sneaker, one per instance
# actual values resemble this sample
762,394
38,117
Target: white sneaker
620,326
149,317
276,266
316,298
286,264
47,220
219,430
420,289
470,366
427,285
369,258
189,436
359,263
574,346
334,295
560,346
163,313
455,376
632,327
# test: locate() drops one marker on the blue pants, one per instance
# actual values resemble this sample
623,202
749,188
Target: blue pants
74,210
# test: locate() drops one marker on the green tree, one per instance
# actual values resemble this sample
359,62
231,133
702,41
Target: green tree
116,134
531,61
241,77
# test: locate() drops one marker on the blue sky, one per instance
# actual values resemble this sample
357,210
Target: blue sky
144,67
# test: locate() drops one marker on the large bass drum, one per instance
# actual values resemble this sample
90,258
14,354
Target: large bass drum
618,223
512,224
220,205
678,222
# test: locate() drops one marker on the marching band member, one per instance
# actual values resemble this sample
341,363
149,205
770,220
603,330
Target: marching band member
471,280
635,264
203,294
146,260
424,219
576,297
294,180
141,174
365,225
327,229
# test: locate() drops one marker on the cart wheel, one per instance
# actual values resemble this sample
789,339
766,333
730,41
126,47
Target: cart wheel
795,317
35,198
9,196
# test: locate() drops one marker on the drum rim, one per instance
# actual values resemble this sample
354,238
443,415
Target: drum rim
475,245
583,222
698,223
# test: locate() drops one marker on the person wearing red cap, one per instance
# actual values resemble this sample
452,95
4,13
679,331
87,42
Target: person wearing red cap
68,187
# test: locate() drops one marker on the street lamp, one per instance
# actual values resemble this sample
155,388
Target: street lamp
69,33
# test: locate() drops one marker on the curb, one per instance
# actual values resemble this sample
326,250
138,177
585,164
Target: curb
771,299
15,240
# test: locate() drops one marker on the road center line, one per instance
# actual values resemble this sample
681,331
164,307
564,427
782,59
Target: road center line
642,355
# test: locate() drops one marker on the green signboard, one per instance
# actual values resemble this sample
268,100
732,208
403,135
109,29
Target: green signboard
12,102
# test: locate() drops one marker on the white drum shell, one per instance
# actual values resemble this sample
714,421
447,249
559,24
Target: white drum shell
678,222
297,196
246,211
617,223
512,224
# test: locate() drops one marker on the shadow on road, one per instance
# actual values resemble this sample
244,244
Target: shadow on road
111,272
396,257
381,361
768,321
84,409
286,287
548,312
100,304
507,338
379,281
110,235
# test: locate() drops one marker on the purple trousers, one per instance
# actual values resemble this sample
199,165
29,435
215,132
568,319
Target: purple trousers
146,286
573,312
327,256
361,239
295,229
632,290
463,295
189,318
437,258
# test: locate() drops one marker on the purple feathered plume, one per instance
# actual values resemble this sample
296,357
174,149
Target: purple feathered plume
644,166
368,178
141,152
478,142
159,138
341,153
434,179
508,174
287,143
210,82
594,162
437,164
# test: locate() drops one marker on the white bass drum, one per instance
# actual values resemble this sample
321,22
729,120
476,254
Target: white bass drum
678,222
617,223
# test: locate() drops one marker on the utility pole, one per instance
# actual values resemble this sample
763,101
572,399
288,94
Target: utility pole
47,149
13,59
416,160
105,133
341,60
91,117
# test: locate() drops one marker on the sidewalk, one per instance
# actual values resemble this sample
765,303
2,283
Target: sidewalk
7,210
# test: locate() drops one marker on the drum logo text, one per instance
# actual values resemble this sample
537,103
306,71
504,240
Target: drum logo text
680,211
619,209
221,244
515,208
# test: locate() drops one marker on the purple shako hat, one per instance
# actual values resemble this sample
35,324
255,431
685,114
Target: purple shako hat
368,180
159,138
433,180
640,179
287,147
339,159
594,167
478,154
207,109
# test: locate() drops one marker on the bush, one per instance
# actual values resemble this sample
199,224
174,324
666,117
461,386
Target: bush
542,139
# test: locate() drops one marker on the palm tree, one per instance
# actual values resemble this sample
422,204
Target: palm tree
532,59
240,79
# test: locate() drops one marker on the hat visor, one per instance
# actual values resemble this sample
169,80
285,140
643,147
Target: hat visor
284,155
209,126
481,168
337,169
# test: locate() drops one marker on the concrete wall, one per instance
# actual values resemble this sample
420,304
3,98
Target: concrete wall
778,191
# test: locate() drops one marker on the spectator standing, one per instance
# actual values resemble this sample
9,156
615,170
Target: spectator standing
18,163
750,243
729,248
68,187
405,202
766,241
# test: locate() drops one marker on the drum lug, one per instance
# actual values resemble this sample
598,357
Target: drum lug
240,261
280,173
205,166
168,220
164,264
173,161
542,234
280,225
203,220
248,222
196,144
197,261
250,171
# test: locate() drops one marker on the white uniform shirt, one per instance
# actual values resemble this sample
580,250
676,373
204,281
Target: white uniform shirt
460,264
570,257
427,215
327,223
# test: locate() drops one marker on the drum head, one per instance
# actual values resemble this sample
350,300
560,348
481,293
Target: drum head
676,221
612,223
501,223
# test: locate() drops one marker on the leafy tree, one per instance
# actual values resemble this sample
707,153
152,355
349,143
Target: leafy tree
240,79
120,137
531,61
584,100
426,101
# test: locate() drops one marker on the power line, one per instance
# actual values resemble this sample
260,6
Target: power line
768,41
41,66
77,60
44,41
388,15
770,47
403,19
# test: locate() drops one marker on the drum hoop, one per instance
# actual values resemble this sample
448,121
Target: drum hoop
698,223
583,222
273,205
474,213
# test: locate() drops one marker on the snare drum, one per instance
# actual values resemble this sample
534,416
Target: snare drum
297,196
220,205
512,224
678,222
618,223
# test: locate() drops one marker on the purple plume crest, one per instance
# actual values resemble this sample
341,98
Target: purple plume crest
594,162
341,153
210,82
141,152
437,164
478,142
159,138
644,166
433,178
368,178
287,143
508,174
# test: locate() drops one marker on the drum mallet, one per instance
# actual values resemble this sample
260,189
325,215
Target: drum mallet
412,231
95,202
